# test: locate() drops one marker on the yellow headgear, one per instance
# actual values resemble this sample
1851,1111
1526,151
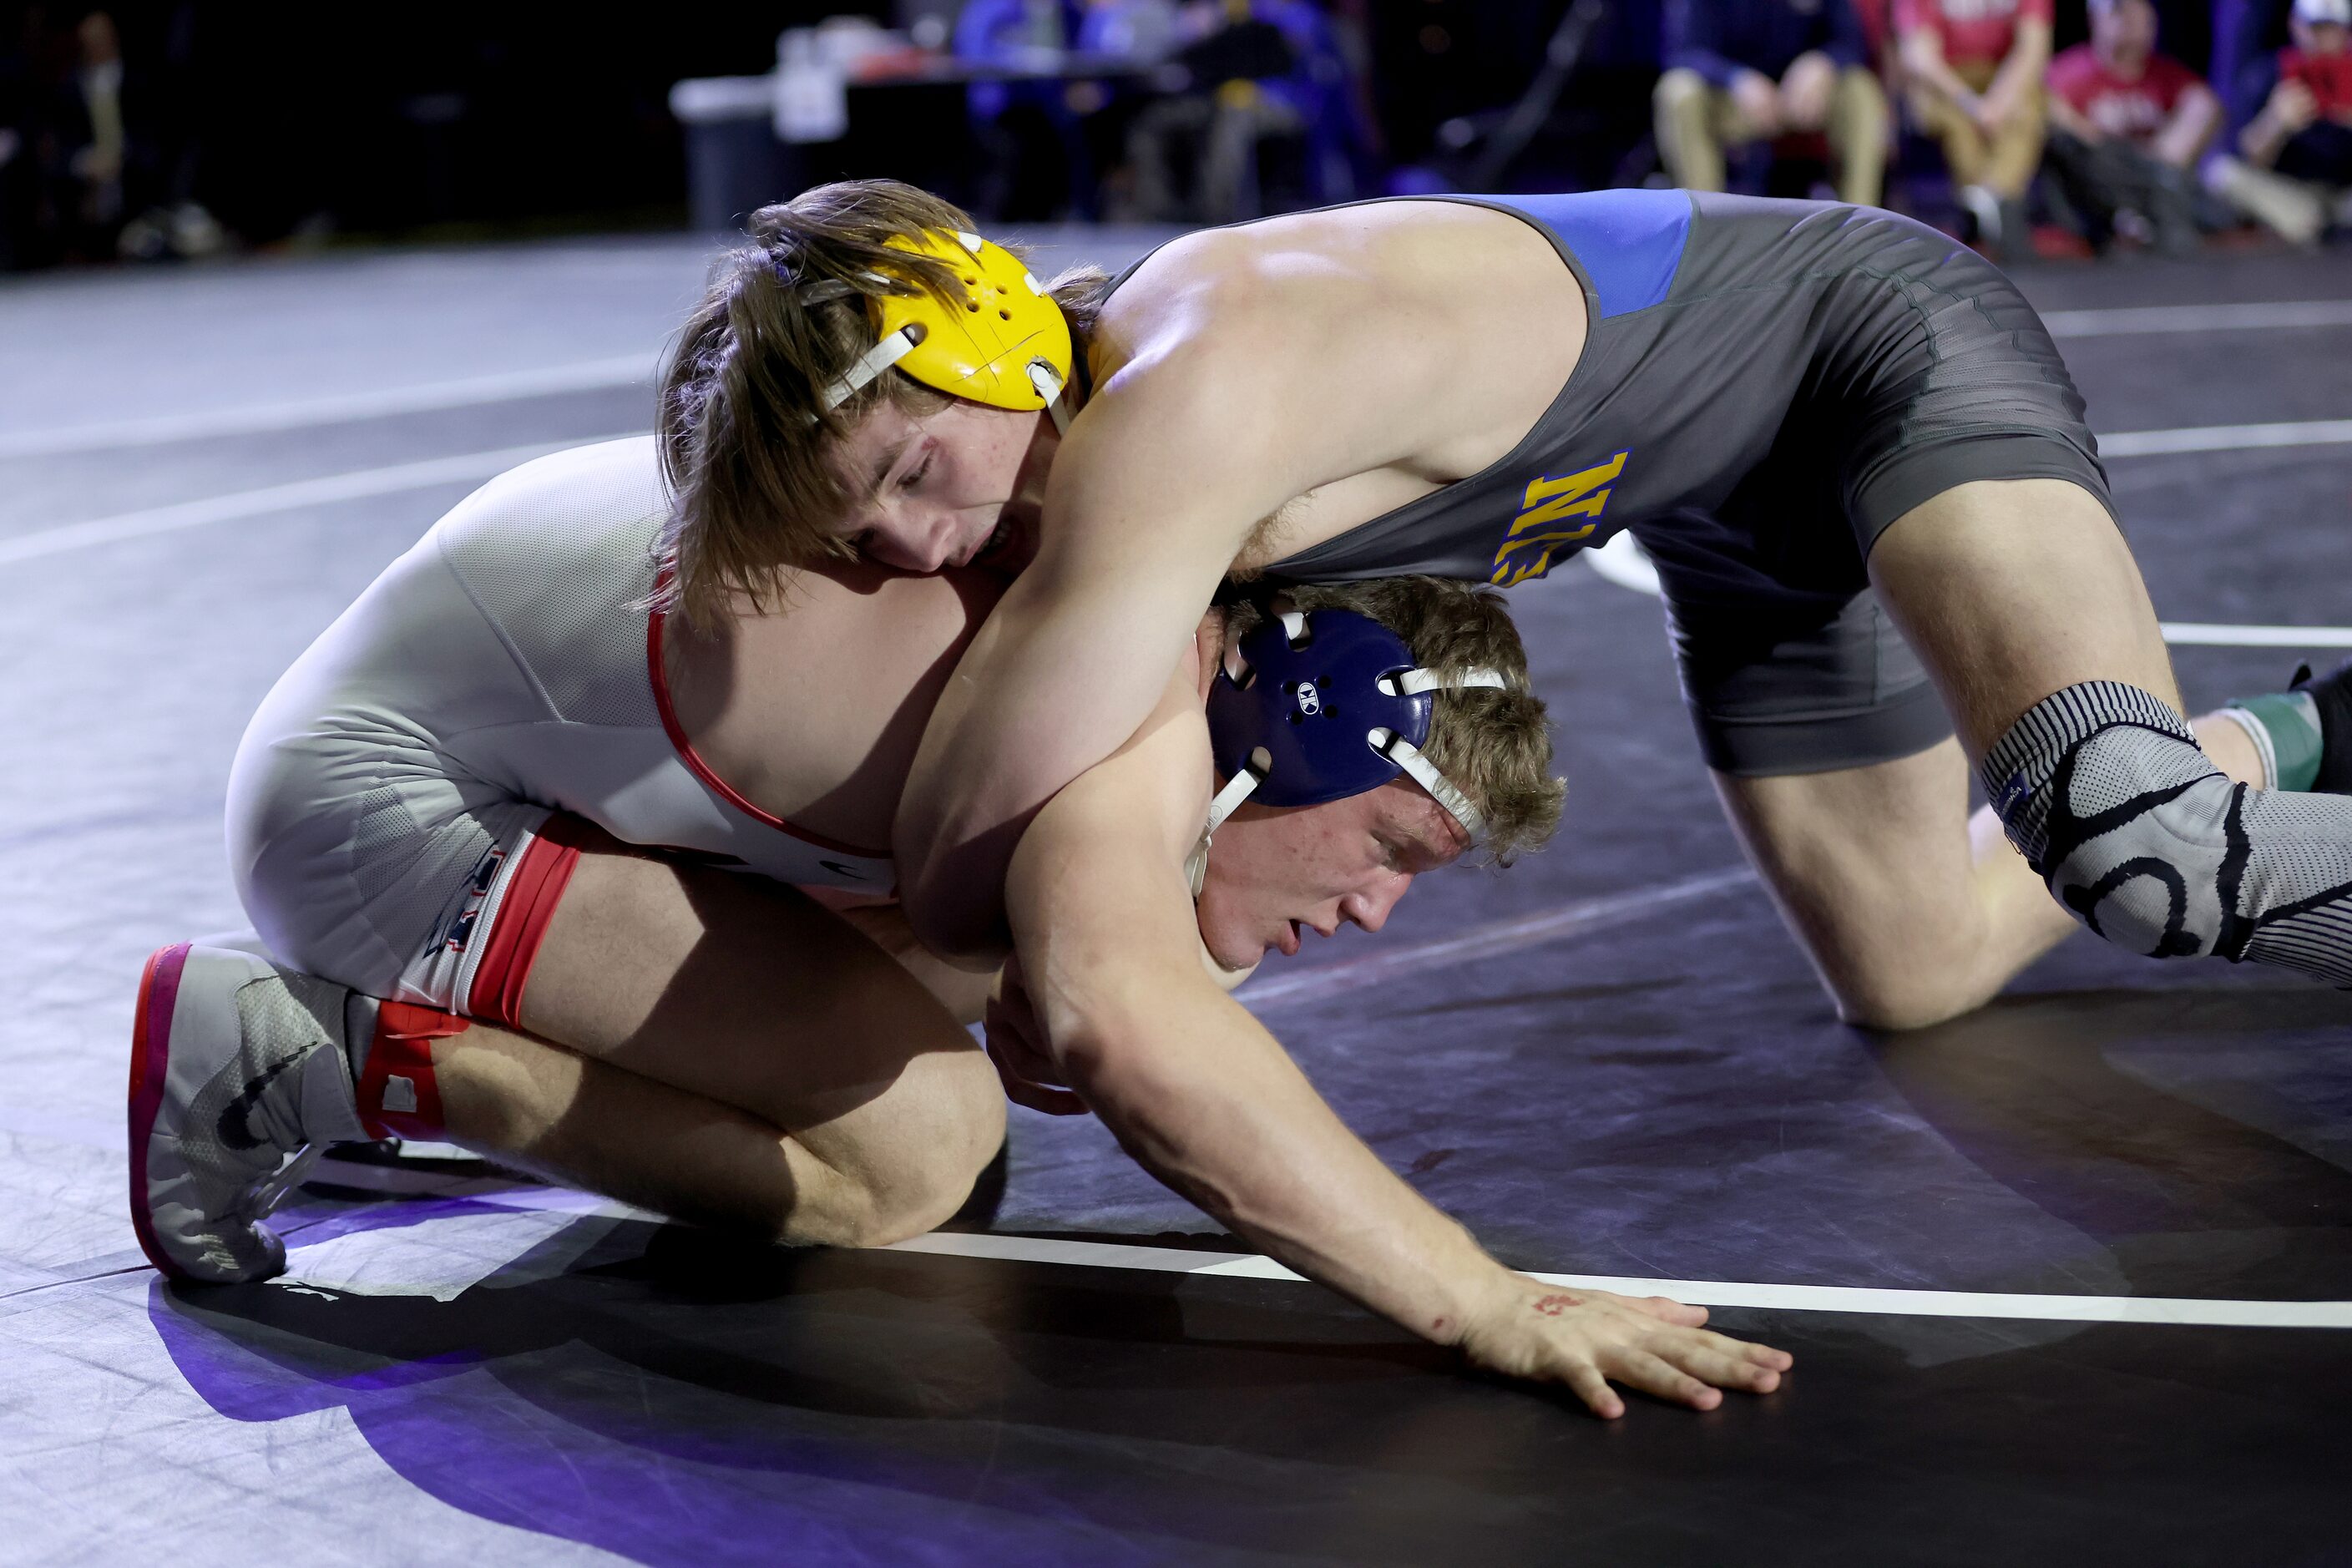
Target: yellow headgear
1007,345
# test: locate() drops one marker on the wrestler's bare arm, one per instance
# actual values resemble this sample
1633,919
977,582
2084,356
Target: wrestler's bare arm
1204,1098
1246,381
1141,526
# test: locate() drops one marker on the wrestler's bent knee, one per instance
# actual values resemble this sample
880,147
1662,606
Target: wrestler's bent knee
1915,998
937,1146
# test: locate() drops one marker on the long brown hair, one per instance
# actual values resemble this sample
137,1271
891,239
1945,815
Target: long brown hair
744,435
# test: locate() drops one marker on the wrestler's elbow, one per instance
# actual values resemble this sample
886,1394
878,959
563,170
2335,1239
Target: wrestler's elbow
1118,1059
1108,1006
1103,1004
951,885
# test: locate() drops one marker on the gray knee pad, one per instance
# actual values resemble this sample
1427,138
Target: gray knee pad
2103,790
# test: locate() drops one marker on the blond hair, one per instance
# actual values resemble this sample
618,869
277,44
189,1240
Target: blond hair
1494,745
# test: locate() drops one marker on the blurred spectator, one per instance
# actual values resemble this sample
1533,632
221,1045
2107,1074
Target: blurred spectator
96,166
1743,72
1261,75
2296,172
2247,35
93,129
1138,29
1037,164
2128,126
16,193
67,143
1972,70
1145,32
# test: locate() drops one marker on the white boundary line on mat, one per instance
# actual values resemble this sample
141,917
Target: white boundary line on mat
2112,323
468,467
2198,633
1496,937
2170,1310
2225,438
436,396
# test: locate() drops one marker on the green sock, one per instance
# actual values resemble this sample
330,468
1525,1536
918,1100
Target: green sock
2284,727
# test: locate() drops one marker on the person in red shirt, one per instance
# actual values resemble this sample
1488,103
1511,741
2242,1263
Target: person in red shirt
2128,126
1973,72
2295,168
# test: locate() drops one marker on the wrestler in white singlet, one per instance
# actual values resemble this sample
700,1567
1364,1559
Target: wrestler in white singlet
397,813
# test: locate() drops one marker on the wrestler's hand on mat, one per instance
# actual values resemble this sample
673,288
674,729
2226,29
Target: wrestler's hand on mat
1016,1044
1589,1339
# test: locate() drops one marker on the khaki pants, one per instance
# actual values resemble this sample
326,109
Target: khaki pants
2003,165
1696,121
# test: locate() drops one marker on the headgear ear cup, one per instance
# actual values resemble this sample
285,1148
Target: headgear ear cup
1330,704
984,350
1004,342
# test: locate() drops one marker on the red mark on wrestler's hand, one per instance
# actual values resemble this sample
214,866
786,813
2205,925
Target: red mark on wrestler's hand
1553,1306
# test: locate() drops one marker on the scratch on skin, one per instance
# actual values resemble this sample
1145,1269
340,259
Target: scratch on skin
1554,1305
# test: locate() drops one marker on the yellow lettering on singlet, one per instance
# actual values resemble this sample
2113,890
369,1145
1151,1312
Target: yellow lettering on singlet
1527,550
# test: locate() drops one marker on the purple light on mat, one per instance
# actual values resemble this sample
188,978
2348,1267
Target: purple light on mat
497,1406
313,1222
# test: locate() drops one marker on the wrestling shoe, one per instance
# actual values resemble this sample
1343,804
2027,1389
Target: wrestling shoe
238,1079
2332,695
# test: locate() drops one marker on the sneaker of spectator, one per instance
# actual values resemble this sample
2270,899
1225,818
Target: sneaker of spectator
2294,167
2127,127
1985,217
184,231
2288,208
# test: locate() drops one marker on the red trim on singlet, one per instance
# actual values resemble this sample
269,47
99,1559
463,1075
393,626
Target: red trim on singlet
520,923
702,770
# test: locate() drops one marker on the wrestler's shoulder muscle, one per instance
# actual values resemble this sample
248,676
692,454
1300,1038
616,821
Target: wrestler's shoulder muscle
1413,337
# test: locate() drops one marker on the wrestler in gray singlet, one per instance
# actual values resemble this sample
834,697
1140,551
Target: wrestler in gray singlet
1765,387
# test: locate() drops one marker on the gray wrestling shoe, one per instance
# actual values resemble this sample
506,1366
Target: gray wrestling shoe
238,1079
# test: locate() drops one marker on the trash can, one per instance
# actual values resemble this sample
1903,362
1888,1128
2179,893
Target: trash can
734,164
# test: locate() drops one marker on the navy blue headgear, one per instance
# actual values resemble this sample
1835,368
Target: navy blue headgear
1330,704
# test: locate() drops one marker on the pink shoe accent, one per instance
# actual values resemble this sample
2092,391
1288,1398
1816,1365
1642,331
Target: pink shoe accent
150,1062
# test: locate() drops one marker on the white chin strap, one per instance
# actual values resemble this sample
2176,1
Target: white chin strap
1424,772
1388,743
1049,388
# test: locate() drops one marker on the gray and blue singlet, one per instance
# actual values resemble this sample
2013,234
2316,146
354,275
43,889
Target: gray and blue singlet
1765,387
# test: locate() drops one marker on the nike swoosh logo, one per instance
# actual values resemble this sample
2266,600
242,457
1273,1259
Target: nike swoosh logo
236,1128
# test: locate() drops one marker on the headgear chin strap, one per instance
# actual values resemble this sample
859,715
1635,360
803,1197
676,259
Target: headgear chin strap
1007,345
1329,704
